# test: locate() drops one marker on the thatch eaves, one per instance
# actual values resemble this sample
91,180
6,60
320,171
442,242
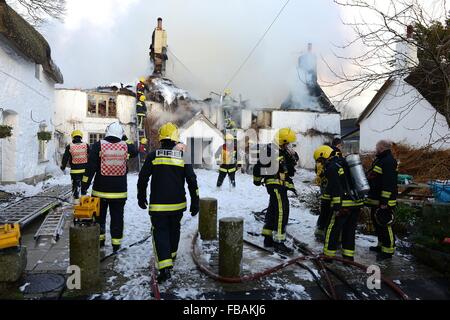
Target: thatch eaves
27,40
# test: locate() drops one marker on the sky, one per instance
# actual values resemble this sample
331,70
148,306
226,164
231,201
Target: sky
106,41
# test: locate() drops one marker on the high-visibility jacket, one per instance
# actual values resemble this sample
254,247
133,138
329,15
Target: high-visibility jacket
169,174
141,108
76,155
107,167
277,172
382,178
337,185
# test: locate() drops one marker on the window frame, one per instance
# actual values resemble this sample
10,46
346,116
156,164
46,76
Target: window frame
99,97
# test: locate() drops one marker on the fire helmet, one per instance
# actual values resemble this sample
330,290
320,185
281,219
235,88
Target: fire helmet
77,133
285,136
169,131
324,152
115,130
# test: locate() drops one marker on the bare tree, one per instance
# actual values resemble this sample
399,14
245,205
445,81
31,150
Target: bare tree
37,12
389,33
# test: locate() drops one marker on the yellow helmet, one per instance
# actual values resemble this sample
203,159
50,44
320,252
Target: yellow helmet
144,141
77,133
228,92
229,137
142,98
285,136
169,131
142,79
323,152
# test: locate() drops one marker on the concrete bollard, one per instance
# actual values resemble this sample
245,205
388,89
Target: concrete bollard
85,253
231,246
12,264
207,224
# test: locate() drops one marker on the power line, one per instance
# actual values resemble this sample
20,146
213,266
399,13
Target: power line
181,62
256,46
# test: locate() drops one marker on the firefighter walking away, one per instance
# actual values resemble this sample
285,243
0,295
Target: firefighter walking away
107,167
76,155
344,207
169,172
276,174
382,198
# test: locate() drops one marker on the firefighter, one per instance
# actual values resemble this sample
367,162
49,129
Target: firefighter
344,208
382,198
76,155
107,168
141,87
141,111
336,145
143,148
169,173
275,169
229,161
325,199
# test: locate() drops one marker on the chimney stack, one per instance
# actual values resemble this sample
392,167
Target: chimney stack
409,31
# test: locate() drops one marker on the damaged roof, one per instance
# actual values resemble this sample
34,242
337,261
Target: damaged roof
315,92
27,40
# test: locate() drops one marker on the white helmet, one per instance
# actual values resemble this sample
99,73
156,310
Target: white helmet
115,130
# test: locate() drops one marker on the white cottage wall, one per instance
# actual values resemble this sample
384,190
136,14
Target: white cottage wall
23,93
414,126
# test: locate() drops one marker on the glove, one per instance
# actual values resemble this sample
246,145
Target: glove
143,203
63,169
194,209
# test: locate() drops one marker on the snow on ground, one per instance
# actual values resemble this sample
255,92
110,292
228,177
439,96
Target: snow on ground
134,264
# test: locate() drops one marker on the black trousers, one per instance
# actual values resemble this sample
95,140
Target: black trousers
385,234
76,184
277,216
227,170
345,225
325,214
116,210
166,229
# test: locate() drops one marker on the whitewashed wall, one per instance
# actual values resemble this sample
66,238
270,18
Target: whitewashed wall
71,114
199,129
20,93
413,127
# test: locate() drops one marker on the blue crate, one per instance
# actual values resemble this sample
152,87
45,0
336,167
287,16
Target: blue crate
441,190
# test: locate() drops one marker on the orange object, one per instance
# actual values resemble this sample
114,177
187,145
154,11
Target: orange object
88,209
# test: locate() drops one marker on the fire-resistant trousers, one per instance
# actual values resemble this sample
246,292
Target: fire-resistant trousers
386,237
166,227
76,184
225,170
116,210
344,224
277,216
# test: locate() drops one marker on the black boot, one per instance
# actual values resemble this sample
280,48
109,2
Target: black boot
281,248
268,242
116,248
375,249
164,275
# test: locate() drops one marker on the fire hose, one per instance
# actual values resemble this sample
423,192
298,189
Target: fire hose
310,257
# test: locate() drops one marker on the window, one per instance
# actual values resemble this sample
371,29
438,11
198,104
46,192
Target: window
42,151
92,106
38,71
112,107
102,106
95,137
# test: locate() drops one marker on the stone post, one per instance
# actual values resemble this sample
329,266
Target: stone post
208,219
231,246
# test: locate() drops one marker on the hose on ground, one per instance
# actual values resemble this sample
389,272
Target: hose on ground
248,278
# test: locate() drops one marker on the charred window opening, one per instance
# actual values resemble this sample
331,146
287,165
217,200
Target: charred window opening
102,106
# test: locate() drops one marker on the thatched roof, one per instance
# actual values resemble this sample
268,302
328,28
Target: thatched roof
27,40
